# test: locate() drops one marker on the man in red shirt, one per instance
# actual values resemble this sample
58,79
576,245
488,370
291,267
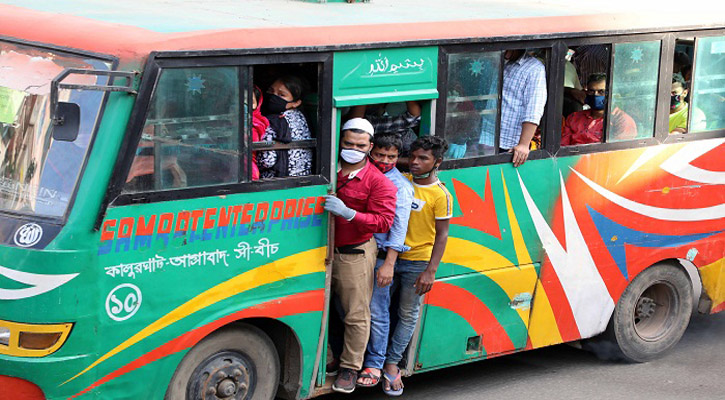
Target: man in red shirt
365,204
587,126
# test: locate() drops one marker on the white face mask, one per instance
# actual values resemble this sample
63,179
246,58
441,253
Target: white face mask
352,156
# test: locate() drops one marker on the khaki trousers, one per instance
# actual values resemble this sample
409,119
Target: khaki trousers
353,276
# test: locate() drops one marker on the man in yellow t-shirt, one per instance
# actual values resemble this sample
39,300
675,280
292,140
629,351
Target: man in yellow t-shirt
427,235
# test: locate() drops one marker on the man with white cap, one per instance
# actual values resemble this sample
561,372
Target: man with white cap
364,204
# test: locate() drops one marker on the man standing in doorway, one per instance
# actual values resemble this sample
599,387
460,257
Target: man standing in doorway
427,236
365,204
384,156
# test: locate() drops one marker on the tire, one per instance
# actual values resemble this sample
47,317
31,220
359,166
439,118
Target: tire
237,363
650,317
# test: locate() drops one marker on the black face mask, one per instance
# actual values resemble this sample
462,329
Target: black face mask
273,104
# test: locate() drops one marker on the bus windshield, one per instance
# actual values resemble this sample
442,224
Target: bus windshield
38,175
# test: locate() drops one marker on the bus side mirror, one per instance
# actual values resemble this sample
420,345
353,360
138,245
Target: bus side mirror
67,121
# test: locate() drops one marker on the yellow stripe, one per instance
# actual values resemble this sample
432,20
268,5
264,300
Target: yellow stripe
449,199
543,329
473,255
299,264
516,281
522,253
513,280
713,280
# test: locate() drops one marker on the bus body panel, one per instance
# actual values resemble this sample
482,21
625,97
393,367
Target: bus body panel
96,28
594,235
171,273
521,241
59,283
484,313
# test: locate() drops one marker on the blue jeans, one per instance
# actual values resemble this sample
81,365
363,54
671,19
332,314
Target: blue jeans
380,350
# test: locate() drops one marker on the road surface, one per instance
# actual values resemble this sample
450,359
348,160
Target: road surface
694,370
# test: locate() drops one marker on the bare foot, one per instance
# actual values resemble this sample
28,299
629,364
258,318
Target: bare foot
393,370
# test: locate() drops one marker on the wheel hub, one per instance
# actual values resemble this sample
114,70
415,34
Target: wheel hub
224,376
646,308
654,310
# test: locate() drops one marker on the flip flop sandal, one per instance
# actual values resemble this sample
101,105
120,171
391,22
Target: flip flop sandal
391,379
368,373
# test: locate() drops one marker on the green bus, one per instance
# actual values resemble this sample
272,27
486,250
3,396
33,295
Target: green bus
140,259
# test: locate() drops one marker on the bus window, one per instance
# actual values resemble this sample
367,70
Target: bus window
574,95
472,103
474,126
289,115
191,135
585,93
633,90
708,92
682,60
38,174
680,98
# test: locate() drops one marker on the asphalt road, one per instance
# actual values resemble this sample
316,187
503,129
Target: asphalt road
694,370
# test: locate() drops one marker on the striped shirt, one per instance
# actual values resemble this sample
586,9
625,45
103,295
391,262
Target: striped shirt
523,99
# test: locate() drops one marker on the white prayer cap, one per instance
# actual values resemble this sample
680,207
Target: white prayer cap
361,124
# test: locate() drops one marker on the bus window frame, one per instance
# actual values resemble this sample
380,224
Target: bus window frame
548,120
157,61
688,136
662,136
73,52
564,151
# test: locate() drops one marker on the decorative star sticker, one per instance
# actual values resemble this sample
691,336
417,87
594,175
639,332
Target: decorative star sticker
195,84
476,67
637,55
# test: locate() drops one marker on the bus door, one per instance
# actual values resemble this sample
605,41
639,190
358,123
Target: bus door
211,226
386,81
481,301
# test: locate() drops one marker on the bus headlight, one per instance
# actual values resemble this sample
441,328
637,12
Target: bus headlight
32,340
4,336
38,341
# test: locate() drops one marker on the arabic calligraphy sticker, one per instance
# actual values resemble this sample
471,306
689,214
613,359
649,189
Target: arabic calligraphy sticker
28,235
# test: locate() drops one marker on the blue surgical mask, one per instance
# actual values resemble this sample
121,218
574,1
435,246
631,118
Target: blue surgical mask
596,102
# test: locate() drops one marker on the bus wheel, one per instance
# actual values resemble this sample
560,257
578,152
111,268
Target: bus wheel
234,363
650,317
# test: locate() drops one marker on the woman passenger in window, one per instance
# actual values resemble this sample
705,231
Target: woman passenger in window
679,108
586,126
259,127
286,124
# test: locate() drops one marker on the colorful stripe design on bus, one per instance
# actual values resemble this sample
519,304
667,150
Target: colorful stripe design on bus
502,327
649,213
305,302
622,220
36,283
620,227
460,301
306,262
713,279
